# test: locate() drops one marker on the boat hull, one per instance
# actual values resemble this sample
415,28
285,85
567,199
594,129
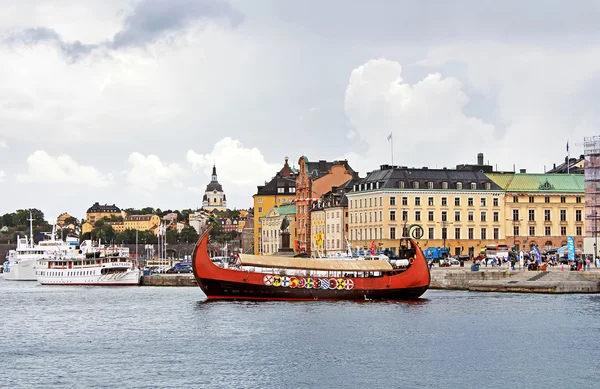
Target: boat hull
24,270
128,278
236,284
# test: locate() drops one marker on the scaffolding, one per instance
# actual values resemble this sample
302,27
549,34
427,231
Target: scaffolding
591,147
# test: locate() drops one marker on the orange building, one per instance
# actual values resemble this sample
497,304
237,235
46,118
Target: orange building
313,181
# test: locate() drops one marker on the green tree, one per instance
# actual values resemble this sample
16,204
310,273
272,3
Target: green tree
7,220
127,236
147,211
105,232
72,220
172,236
188,234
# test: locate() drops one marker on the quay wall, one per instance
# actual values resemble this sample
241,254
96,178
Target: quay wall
460,278
169,280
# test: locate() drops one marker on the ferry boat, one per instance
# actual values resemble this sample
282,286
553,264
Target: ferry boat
256,277
105,267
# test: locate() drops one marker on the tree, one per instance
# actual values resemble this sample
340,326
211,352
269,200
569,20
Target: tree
127,236
7,220
188,234
172,236
105,232
72,220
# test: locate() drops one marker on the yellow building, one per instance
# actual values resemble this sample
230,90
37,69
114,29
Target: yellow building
459,209
271,228
317,229
543,209
61,219
97,212
279,191
137,222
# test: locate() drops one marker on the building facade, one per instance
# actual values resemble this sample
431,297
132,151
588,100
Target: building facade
459,209
214,196
97,212
271,227
137,222
280,190
248,234
543,209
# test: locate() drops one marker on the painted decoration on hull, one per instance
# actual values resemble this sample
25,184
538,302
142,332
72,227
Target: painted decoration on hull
309,282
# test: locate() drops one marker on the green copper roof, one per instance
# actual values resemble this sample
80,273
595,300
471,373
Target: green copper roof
286,209
542,183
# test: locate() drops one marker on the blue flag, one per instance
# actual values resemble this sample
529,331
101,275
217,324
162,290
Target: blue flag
389,137
567,146
536,253
571,248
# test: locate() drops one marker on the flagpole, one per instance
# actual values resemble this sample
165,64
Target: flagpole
568,157
392,141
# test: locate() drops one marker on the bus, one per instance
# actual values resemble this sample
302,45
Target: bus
496,250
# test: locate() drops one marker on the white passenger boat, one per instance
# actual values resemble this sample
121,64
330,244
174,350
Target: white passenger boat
110,269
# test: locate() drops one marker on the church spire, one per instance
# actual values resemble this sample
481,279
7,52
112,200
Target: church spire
214,173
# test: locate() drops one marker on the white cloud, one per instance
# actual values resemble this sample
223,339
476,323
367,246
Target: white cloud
240,169
44,168
423,117
2,175
148,172
3,144
195,189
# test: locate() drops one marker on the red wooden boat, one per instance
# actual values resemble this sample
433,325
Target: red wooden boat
282,278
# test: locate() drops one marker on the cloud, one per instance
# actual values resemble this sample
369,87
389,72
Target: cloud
148,172
424,117
44,168
2,175
3,144
149,21
240,169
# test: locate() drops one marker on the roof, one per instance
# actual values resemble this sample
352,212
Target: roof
279,181
139,217
287,209
322,167
97,208
394,177
538,182
314,264
574,166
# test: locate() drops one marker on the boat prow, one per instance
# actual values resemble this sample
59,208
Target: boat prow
282,278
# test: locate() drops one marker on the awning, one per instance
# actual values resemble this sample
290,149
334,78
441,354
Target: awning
315,264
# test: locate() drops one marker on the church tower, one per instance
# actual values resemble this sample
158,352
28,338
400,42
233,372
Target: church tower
214,197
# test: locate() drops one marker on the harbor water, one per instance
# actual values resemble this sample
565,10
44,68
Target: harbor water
164,337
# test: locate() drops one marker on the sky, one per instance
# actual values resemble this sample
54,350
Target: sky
131,102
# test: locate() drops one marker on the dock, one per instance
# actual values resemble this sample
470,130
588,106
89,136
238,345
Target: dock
161,279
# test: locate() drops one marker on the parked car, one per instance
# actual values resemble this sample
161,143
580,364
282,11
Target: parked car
178,268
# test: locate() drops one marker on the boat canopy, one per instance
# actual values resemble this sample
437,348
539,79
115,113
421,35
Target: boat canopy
314,264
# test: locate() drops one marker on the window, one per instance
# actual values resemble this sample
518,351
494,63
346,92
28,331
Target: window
404,231
488,186
430,201
578,229
515,230
483,202
418,216
483,216
259,209
483,233
392,201
444,201
444,185
470,234
473,185
280,190
459,185
404,200
578,199
495,201
563,215
531,216
563,231
430,216
470,216
563,199
531,230
515,199
496,216
376,216
404,216
259,200
457,233
401,184
392,216
417,201
457,201
444,233
360,203
496,233
392,232
380,215
431,233
547,215
515,215
456,216
531,199
578,215
415,184
547,230
370,202
547,199
470,201
292,190
444,216
430,185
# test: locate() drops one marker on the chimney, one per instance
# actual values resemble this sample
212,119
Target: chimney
554,166
480,159
522,171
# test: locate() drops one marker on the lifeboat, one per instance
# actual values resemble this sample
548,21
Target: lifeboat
255,277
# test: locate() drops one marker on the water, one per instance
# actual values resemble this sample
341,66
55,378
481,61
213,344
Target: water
145,337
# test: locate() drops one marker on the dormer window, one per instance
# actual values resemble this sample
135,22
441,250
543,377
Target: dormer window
377,184
444,185
459,185
488,186
401,184
415,184
430,185
473,185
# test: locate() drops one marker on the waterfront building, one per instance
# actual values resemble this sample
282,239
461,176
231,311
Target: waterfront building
542,209
459,209
199,220
271,227
280,190
214,197
61,220
248,234
97,212
137,222
314,180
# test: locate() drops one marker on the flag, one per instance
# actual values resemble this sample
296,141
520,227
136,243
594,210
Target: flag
389,137
567,146
373,248
536,253
571,248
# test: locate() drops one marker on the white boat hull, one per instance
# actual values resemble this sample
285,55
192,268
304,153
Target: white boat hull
23,270
88,277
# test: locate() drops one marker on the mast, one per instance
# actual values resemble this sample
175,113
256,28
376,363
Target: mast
30,228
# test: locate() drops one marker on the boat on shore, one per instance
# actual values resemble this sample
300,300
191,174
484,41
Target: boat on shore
289,278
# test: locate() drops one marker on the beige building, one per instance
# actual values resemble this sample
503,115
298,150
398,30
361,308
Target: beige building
459,209
543,209
271,228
